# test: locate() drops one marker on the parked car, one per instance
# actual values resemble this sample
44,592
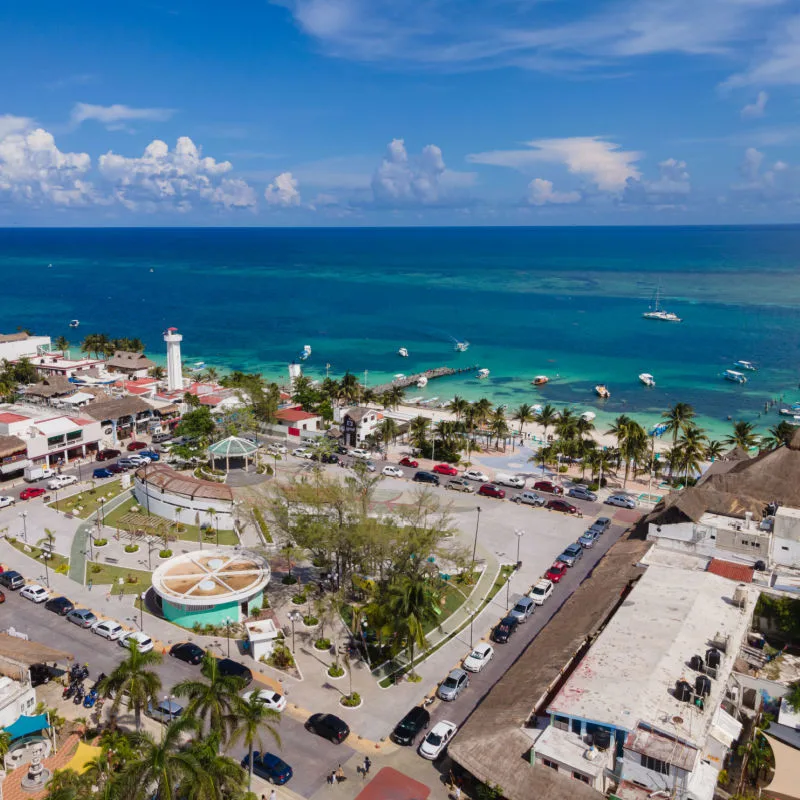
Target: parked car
409,462
34,592
330,458
588,539
277,449
107,454
452,686
269,767
328,726
407,730
432,746
161,438
621,500
529,499
601,525
541,591
108,629
188,652
549,487
445,469
134,446
302,452
476,475
30,493
137,459
359,452
426,477
227,666
480,656
515,481
151,454
6,501
459,485
556,572
370,465
129,462
393,472
504,629
571,554
116,469
561,505
144,644
40,674
271,699
490,490
165,711
11,579
59,605
102,472
60,481
81,617
523,609
582,493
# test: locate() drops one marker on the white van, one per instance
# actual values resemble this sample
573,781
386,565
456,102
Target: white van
510,480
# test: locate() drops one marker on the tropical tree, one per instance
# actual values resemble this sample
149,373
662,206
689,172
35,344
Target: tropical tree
387,430
793,696
458,407
66,784
693,450
350,388
631,442
133,679
413,605
547,418
220,777
677,417
62,343
779,435
523,414
499,428
715,449
418,432
252,719
743,435
158,372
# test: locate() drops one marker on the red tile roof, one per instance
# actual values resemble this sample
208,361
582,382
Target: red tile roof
210,399
728,569
8,416
294,415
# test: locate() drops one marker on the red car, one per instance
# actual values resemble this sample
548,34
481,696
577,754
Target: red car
106,455
445,469
490,490
556,572
27,494
561,505
408,462
136,446
547,486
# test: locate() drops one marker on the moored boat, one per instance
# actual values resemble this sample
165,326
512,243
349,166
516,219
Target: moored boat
540,380
74,323
734,376
659,314
748,365
647,379
588,416
403,352
461,347
422,382
483,373
305,352
601,390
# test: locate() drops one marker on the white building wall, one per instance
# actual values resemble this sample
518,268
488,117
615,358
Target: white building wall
15,699
786,537
174,363
39,449
27,347
164,505
632,770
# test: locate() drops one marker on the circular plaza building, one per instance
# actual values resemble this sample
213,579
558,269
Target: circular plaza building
210,587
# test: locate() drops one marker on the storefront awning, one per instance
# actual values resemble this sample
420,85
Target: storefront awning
25,726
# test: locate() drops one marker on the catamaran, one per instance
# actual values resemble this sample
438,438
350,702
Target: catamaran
658,313
647,379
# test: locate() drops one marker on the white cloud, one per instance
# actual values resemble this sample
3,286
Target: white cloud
777,62
400,179
114,116
173,179
600,161
11,124
283,191
756,108
541,192
673,178
751,164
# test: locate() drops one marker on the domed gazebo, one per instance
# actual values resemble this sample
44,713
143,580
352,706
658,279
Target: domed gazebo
232,447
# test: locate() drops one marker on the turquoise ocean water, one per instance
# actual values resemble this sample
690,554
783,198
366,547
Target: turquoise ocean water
564,302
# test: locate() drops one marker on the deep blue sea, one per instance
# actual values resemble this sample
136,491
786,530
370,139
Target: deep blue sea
565,302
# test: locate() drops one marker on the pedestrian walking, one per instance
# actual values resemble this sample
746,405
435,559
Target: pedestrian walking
367,765
273,795
331,778
457,793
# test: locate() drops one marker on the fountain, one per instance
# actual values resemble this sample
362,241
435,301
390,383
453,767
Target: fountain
38,775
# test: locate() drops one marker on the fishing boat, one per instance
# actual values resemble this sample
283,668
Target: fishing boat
659,314
461,347
601,390
787,412
422,382
403,352
73,323
734,376
647,379
659,430
483,373
198,366
588,416
748,365
540,380
305,352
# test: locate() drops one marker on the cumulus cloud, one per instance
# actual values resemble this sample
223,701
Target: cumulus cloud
34,171
756,108
751,164
776,64
541,192
176,179
601,162
283,191
402,179
115,116
774,181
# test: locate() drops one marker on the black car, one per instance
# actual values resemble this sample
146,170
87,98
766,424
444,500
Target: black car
342,451
330,458
188,652
503,630
11,579
227,666
328,726
40,673
409,727
426,477
59,605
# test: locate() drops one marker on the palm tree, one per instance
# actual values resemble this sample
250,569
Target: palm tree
158,372
677,417
743,435
418,432
220,777
387,429
523,414
715,449
780,434
350,388
693,449
252,715
412,605
62,343
212,375
458,406
547,417
212,701
566,426
793,696
133,679
66,784
499,428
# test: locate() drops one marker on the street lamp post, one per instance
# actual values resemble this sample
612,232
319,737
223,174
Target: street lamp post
46,569
519,534
102,515
24,515
475,543
141,610
471,612
228,632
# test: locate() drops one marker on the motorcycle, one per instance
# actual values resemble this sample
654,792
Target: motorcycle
80,693
69,690
79,672
90,699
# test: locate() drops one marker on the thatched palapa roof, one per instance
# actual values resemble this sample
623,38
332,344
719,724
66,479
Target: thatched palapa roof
102,410
9,445
51,386
124,359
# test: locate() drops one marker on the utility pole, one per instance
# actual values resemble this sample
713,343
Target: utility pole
475,543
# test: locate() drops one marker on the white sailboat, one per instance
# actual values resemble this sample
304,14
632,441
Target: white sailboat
659,314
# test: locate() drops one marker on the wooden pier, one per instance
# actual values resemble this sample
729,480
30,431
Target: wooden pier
430,374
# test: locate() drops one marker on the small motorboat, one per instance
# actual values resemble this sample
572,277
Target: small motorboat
601,390
305,352
403,352
748,365
787,412
399,377
461,347
483,373
540,380
647,379
734,376
588,416
422,382
73,323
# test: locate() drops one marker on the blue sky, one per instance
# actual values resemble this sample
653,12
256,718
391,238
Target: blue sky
378,112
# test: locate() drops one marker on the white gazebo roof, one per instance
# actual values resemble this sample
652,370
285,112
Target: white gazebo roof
232,447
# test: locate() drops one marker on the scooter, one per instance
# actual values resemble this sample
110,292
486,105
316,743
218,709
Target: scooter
69,690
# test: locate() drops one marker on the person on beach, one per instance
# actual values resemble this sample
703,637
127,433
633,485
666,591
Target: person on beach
273,795
340,776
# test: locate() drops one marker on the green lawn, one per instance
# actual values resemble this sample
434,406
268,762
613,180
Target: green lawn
54,561
136,580
88,500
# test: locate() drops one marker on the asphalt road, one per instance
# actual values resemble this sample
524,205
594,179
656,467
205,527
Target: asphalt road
310,757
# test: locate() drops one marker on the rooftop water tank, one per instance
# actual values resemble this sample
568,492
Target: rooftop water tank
713,657
683,691
696,663
602,738
702,685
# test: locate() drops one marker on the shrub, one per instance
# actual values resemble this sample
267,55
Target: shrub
299,599
281,657
129,578
352,700
131,548
310,620
322,644
335,671
96,568
255,610
164,553
100,542
288,580
62,569
593,487
262,525
563,469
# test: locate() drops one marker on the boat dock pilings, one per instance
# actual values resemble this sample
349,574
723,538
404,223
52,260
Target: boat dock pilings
430,374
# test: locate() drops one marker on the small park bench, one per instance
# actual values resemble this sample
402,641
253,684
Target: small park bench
111,560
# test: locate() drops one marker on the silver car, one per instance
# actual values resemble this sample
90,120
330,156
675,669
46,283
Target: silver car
529,499
582,493
621,501
453,684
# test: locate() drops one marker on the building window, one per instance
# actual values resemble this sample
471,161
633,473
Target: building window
655,765
579,776
562,723
548,763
